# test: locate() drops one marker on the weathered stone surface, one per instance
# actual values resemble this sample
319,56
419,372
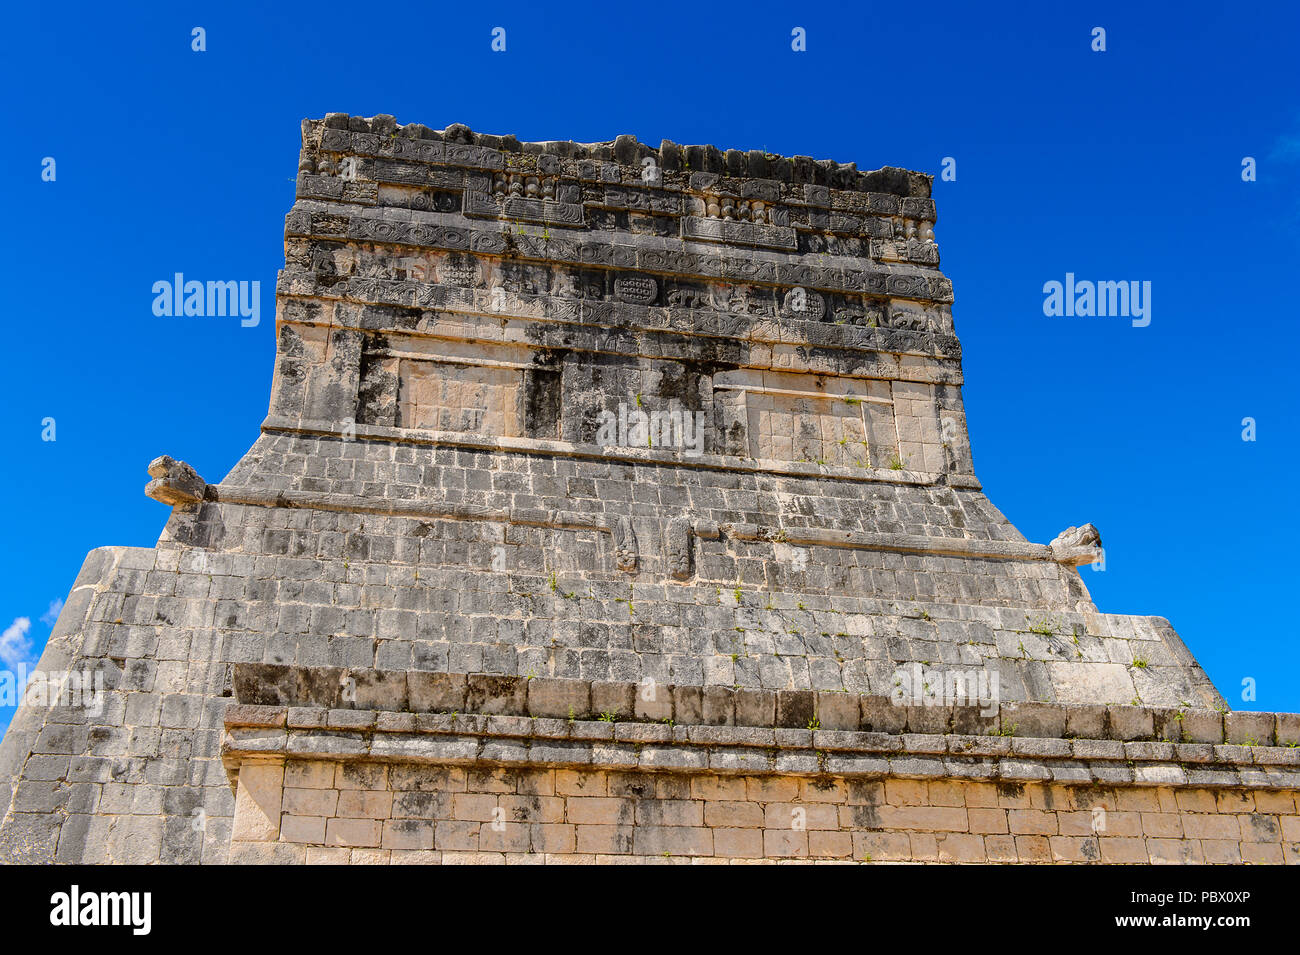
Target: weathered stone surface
174,482
605,472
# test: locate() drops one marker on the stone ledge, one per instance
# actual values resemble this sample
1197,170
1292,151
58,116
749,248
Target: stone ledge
564,449
265,732
968,548
317,696
427,231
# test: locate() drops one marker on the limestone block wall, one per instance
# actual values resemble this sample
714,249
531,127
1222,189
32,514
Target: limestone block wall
316,784
328,812
431,524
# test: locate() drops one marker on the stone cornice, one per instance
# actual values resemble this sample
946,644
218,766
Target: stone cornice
619,160
337,221
941,353
667,458
675,709
269,732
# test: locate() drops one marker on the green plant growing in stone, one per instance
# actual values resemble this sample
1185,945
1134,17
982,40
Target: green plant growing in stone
1044,627
814,724
1007,730
895,463
1140,663
608,717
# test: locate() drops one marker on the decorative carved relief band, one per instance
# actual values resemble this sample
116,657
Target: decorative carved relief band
646,255
739,233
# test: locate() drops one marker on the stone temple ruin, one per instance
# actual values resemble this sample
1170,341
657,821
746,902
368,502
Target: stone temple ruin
617,503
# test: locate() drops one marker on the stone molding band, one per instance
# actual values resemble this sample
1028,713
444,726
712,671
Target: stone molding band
335,221
940,354
675,708
669,458
265,731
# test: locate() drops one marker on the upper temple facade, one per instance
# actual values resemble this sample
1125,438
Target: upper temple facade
730,379
597,459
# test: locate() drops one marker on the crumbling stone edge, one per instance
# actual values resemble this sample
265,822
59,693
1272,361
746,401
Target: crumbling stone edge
482,719
261,732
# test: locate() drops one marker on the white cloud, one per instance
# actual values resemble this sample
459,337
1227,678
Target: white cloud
15,648
52,614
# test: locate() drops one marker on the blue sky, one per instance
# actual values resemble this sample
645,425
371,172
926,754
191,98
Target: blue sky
1122,165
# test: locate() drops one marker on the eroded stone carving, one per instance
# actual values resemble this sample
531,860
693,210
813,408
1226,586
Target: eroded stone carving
174,482
803,303
636,289
625,551
1077,545
678,545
